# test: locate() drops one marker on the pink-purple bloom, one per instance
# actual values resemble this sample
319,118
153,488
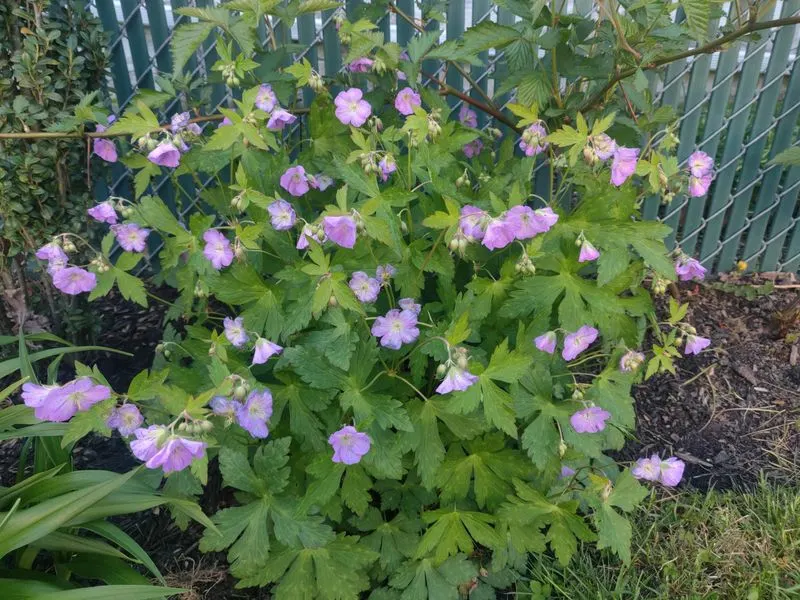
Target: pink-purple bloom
695,344
104,148
533,140
648,469
398,327
700,164
698,186
104,213
387,166
165,155
340,230
61,403
74,280
307,232
604,146
588,252
384,273
688,269
523,222
498,234
158,448
126,419
406,100
364,287
351,108
467,116
295,181
473,222
360,65
473,148
235,331
590,419
264,350
349,445
217,249
55,256
255,412
279,119
671,471
566,472
456,380
630,361
624,164
546,218
546,342
578,341
131,237
266,99
320,181
281,215
179,121
34,395
224,407
668,472
410,305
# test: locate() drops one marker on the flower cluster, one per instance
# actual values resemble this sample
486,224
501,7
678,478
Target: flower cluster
251,415
60,403
574,342
70,280
669,472
701,173
517,223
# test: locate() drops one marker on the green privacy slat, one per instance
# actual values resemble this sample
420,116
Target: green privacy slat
352,7
138,43
160,32
331,51
455,27
751,163
307,33
736,129
119,68
769,186
404,30
779,230
479,9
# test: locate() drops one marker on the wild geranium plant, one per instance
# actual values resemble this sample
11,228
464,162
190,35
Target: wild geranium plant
407,365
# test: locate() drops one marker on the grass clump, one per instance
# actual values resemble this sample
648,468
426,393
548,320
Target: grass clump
715,545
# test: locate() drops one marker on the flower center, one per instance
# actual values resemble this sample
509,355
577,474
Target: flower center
354,106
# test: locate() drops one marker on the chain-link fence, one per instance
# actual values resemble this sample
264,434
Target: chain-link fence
741,106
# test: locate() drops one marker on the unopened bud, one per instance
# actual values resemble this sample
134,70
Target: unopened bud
159,348
206,426
441,370
462,362
332,301
454,244
68,246
183,426
403,227
167,353
589,155
562,448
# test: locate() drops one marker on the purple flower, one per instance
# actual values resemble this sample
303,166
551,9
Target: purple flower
218,249
104,148
63,402
34,395
320,181
578,341
225,122
498,234
179,121
176,454
266,99
467,116
398,327
147,441
630,361
351,109
406,100
523,222
235,331
360,65
588,252
104,213
647,468
365,288
546,342
341,230
409,305
624,164
671,471
281,215
694,344
55,256
349,445
279,119
473,222
165,155
533,140
387,166
700,164
384,273
74,280
194,129
224,407
566,472
688,269
456,380
126,419
264,350
545,217
698,186
472,149
295,181
131,237
253,414
604,146
590,420
307,232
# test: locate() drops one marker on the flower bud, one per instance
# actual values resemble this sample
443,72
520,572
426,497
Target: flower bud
462,362
454,244
239,392
212,351
562,448
151,144
183,426
237,203
159,348
462,245
332,301
68,246
167,353
495,132
577,394
239,251
441,370
376,123
316,82
206,426
589,155
403,227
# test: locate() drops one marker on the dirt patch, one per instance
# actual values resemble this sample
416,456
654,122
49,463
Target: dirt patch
733,412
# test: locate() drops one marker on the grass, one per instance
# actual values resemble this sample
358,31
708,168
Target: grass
719,545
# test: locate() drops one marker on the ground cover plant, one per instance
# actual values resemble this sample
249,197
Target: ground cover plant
407,365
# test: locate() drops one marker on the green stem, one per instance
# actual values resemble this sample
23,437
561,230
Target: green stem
408,383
